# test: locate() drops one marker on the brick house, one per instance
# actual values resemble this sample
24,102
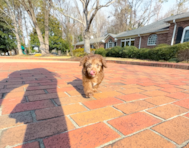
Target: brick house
172,30
107,41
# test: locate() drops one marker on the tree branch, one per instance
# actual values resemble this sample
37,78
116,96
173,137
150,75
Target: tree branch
69,16
107,4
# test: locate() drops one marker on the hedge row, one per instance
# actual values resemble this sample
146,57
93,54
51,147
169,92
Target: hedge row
161,52
80,52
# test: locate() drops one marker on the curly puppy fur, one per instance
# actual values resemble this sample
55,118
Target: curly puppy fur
92,73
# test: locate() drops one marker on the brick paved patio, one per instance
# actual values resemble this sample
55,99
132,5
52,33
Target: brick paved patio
42,105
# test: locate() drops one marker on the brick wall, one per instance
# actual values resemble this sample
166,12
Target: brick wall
119,42
171,29
137,39
161,39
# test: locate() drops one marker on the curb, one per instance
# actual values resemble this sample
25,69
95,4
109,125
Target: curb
153,64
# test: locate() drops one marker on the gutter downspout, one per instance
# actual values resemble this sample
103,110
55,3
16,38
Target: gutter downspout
173,37
139,42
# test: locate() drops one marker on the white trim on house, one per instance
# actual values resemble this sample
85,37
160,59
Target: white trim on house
110,44
139,42
152,40
173,37
183,34
128,40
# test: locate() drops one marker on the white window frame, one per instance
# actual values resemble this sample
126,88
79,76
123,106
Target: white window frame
183,34
92,46
107,44
149,38
125,40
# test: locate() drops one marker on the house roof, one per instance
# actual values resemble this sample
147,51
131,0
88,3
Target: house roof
97,40
158,26
178,16
154,27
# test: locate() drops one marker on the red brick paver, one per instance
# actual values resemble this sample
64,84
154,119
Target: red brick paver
102,103
133,107
183,103
132,97
87,137
168,111
42,105
95,116
145,139
159,100
133,123
176,129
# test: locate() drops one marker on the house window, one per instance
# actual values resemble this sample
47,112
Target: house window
92,46
132,43
152,39
185,35
128,42
122,43
110,44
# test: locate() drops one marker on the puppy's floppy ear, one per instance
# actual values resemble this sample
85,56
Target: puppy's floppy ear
104,62
83,60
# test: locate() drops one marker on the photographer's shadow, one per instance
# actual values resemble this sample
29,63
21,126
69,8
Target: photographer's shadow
32,115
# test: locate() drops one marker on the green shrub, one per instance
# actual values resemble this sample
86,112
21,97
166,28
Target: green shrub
114,52
143,53
80,52
162,45
101,51
129,52
162,52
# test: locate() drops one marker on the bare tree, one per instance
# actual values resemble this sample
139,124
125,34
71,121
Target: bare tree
181,6
29,6
88,12
132,14
99,27
11,11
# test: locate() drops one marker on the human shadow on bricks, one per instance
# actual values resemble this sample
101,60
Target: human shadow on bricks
30,116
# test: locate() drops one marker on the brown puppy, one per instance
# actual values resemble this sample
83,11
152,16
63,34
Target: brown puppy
92,72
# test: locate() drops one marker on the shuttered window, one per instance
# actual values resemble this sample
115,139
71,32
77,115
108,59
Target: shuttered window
179,35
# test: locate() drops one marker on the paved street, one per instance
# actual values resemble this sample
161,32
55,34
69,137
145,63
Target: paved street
42,106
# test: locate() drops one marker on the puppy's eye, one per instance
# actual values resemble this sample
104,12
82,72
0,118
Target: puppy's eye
97,65
89,65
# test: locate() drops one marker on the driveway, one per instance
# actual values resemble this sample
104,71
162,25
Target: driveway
42,106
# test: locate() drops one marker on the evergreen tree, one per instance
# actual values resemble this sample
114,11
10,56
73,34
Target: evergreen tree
7,37
55,34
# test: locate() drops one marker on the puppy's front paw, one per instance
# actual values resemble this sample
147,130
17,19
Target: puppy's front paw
89,94
95,90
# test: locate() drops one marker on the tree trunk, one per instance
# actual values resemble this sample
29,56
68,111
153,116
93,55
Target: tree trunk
19,50
42,46
18,45
30,11
46,28
27,35
21,27
87,42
